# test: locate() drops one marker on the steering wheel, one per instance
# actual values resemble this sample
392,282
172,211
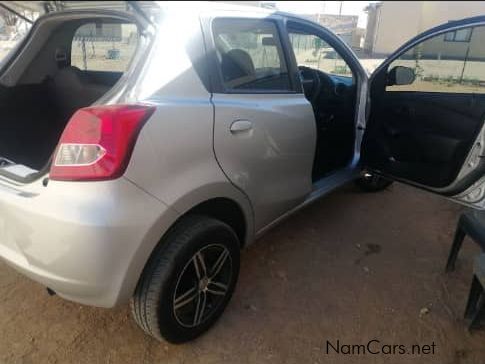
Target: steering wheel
321,83
309,76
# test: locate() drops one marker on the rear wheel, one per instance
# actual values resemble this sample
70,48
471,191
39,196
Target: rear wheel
188,281
372,183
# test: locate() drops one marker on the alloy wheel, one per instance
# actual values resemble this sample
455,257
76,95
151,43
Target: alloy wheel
202,285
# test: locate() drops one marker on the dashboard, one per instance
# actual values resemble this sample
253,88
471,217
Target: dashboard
342,85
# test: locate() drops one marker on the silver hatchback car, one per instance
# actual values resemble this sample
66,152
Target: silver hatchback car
141,174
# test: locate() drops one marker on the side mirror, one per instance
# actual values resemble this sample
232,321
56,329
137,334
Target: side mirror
400,75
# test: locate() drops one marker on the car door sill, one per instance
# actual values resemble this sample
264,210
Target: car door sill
320,188
329,183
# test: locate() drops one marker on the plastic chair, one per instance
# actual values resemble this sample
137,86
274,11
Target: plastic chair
471,223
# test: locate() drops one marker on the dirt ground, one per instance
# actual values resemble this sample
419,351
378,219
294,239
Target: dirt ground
353,267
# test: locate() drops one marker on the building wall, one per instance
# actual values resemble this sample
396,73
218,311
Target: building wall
398,21
343,25
438,47
436,13
373,14
103,31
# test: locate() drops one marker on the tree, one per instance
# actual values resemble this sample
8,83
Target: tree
10,20
8,17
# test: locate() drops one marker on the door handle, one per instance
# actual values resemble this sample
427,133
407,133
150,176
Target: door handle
240,125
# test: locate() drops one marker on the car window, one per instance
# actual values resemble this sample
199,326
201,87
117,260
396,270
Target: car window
250,55
452,62
104,46
312,51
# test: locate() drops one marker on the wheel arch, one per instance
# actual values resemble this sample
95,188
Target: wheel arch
233,209
225,210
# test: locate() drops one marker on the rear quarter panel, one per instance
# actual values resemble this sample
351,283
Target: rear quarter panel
173,159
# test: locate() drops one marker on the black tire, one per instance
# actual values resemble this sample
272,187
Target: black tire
175,266
372,183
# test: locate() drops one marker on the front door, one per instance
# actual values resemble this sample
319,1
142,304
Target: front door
427,113
264,132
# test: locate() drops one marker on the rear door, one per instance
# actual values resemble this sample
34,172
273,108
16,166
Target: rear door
427,112
264,128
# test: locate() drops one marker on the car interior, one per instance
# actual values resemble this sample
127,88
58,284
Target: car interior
423,132
238,66
333,99
50,89
422,137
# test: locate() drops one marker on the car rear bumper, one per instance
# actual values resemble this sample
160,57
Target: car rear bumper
87,241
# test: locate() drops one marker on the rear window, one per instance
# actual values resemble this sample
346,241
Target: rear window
102,46
250,55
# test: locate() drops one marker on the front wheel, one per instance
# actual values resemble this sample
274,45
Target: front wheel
372,183
188,281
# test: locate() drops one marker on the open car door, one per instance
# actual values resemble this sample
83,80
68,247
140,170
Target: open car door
427,111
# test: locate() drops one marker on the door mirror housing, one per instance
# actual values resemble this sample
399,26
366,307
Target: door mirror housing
400,75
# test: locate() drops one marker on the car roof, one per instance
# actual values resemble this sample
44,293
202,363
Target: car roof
208,6
217,5
178,7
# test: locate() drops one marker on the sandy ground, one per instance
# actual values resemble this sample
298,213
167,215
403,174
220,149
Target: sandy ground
352,267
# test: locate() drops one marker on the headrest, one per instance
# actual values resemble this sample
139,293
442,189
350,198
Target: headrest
237,63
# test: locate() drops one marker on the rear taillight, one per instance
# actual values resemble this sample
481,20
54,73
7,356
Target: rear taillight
97,142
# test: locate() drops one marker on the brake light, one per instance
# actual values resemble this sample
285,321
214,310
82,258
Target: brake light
98,141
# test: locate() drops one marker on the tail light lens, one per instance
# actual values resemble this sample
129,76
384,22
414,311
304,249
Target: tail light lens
98,141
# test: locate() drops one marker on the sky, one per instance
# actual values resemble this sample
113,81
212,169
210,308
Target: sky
327,7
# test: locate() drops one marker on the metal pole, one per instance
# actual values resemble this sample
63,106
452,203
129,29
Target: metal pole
83,48
466,56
